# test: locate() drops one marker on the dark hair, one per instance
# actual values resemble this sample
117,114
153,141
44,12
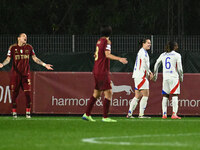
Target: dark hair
19,36
170,46
106,30
143,40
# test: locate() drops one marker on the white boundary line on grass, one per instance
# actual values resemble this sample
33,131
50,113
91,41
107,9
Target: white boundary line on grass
100,140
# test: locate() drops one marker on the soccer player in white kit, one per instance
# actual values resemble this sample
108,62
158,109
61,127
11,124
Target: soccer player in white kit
141,72
172,75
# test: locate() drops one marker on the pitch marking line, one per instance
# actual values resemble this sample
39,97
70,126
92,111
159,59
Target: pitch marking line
101,140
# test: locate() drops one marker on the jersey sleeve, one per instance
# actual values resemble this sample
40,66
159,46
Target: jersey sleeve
145,59
180,68
9,51
108,45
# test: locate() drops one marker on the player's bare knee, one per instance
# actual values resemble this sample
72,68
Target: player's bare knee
108,94
97,94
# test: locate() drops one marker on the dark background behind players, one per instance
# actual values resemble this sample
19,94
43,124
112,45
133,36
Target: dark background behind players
53,20
85,16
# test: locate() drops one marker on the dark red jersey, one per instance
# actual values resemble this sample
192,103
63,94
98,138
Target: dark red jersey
20,58
102,64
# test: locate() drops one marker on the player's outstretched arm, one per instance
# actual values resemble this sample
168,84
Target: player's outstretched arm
5,62
38,61
113,57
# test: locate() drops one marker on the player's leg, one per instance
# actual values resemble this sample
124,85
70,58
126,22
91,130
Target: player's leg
138,95
26,86
14,88
106,106
143,86
175,107
143,103
28,103
164,105
165,92
91,102
134,103
14,94
175,90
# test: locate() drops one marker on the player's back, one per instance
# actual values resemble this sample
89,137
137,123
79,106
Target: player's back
102,64
169,62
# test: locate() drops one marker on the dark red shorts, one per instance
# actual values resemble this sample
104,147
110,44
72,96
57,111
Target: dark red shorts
102,82
17,81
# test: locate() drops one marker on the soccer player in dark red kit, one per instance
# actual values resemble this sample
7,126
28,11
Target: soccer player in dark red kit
101,72
20,72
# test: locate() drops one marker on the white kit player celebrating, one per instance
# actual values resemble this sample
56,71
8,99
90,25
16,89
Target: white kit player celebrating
141,73
172,75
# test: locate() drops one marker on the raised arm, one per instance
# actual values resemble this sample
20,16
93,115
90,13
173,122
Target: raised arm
38,61
113,57
5,62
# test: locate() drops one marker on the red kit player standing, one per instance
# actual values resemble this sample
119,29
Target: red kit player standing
20,72
101,72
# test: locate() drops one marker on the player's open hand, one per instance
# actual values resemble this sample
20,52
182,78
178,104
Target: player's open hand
123,60
49,66
1,65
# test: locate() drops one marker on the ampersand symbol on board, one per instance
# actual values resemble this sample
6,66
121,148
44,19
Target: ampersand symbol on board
99,102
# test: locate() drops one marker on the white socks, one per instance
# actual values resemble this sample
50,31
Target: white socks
133,105
143,104
164,105
175,104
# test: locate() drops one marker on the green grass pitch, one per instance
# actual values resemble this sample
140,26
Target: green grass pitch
73,133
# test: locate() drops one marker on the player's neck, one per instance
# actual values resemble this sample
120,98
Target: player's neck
21,44
105,37
144,48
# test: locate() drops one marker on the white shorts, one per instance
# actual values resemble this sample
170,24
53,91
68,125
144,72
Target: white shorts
141,83
171,86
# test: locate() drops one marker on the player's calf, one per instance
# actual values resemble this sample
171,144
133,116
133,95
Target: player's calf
28,113
14,113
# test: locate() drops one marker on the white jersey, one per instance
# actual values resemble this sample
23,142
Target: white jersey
172,65
141,68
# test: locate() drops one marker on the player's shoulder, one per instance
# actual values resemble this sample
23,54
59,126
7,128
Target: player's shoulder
143,52
163,54
13,45
29,45
177,54
108,41
105,39
140,51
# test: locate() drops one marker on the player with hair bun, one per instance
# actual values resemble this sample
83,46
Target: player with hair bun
172,76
